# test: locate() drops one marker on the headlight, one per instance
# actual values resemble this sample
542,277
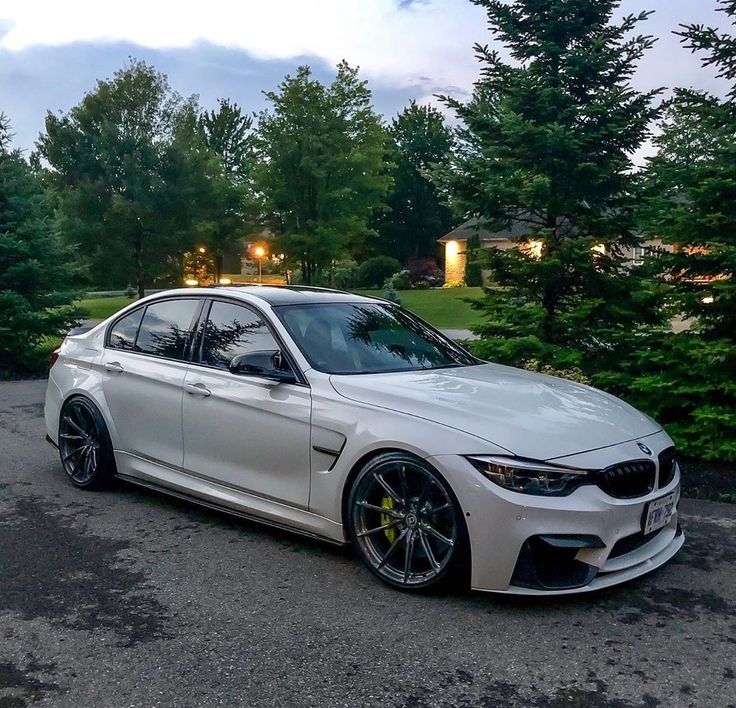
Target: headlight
530,477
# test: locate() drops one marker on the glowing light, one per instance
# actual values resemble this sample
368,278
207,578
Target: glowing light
191,282
259,251
202,249
454,262
225,281
534,249
707,300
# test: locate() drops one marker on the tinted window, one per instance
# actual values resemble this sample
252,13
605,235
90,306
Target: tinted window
166,327
356,338
232,330
122,335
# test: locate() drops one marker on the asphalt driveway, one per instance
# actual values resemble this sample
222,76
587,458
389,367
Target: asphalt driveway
126,598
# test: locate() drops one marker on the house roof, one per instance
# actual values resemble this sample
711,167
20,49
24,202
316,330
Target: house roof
477,226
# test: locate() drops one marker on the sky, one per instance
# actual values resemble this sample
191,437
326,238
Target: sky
52,52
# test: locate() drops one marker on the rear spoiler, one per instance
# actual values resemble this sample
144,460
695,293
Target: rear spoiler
80,330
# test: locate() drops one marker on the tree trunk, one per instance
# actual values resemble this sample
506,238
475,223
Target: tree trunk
139,265
218,261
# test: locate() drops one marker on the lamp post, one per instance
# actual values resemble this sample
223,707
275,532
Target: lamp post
259,252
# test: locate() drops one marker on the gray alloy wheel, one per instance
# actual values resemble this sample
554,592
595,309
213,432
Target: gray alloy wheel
406,524
84,444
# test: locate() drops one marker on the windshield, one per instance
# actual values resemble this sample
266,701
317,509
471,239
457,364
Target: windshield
368,338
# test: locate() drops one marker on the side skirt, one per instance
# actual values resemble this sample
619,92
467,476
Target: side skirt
227,510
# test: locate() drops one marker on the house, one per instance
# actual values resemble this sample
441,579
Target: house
516,236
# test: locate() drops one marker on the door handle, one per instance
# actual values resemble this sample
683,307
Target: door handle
197,389
114,367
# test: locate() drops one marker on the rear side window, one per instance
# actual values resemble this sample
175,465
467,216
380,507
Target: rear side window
123,333
165,328
232,330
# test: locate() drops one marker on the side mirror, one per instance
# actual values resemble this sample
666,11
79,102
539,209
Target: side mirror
267,365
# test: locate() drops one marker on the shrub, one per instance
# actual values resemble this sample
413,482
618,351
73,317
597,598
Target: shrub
392,295
399,281
422,268
688,384
345,275
422,285
473,274
374,272
571,374
473,271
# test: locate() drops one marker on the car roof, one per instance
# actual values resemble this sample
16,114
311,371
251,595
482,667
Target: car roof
278,294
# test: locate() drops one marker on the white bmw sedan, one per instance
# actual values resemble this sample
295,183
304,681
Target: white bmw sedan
349,419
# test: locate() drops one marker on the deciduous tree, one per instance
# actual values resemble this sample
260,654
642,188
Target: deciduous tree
323,173
122,178
416,216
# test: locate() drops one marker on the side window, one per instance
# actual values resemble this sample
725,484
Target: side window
122,335
232,330
166,327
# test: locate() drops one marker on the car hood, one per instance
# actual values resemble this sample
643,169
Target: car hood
530,415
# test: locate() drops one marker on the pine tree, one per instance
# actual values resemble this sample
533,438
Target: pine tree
36,279
691,200
546,142
686,379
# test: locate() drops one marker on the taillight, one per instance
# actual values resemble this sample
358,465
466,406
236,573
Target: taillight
54,356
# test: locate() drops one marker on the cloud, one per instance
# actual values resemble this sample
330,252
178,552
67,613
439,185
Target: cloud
51,51
390,40
56,78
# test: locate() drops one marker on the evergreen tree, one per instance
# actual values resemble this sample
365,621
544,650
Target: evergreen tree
36,278
686,380
691,202
416,216
546,141
323,174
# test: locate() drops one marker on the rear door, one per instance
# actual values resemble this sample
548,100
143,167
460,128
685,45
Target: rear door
144,364
242,431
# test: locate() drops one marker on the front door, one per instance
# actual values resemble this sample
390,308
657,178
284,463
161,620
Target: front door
242,431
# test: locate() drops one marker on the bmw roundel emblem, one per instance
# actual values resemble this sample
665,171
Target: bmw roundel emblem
644,448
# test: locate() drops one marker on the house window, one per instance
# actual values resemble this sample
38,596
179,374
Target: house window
638,255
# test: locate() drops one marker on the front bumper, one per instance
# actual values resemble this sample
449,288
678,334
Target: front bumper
505,529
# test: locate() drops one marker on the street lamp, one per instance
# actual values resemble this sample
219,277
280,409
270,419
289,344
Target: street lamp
259,252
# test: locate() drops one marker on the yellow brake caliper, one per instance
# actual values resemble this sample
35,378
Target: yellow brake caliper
388,503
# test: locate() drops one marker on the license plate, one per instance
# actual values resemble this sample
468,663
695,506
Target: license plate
660,511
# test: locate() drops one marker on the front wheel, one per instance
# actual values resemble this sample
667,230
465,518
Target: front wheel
406,523
85,448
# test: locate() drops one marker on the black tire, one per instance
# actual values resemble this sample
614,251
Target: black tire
401,509
85,449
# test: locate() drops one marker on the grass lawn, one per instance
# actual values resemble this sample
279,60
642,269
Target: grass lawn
99,308
441,308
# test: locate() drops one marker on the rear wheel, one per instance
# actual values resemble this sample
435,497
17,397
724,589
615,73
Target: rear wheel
406,523
84,444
